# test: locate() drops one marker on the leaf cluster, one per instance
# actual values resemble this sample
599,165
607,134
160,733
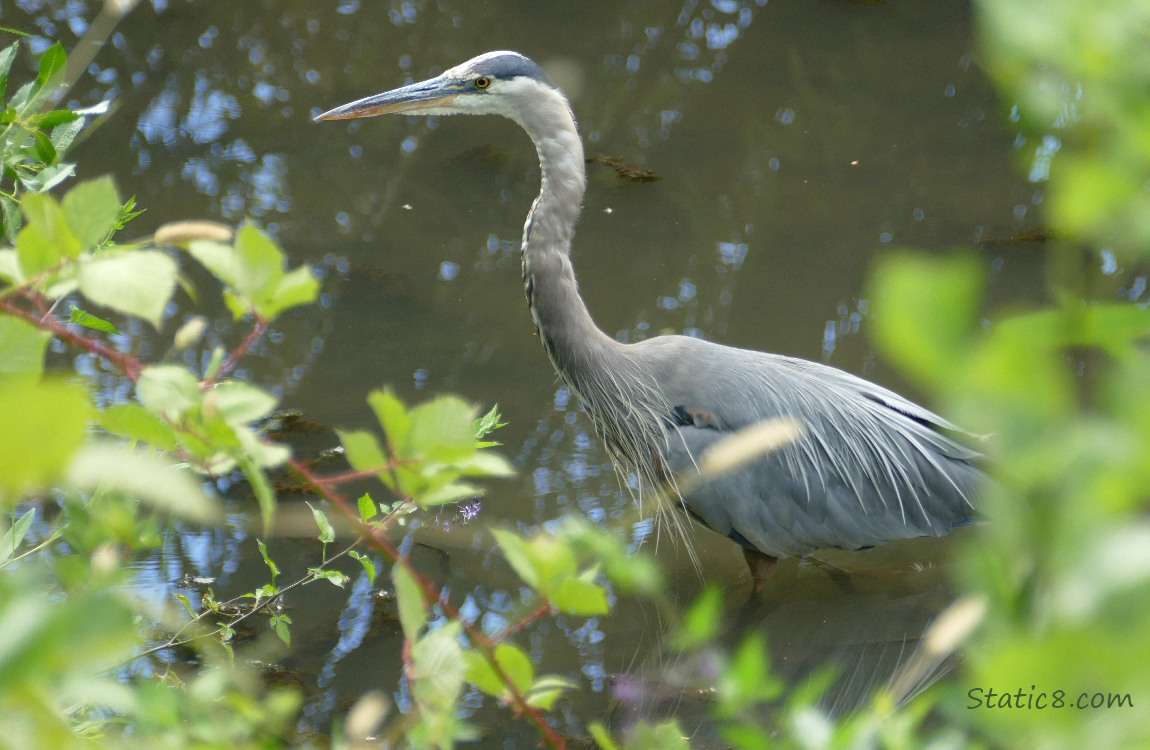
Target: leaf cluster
32,141
429,449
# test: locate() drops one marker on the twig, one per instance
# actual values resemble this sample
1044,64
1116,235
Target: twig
175,641
129,365
260,327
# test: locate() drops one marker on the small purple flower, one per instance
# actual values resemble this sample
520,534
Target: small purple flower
470,510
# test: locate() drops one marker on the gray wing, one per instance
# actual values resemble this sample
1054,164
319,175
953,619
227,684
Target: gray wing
870,467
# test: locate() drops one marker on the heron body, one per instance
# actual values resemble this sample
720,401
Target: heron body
868,467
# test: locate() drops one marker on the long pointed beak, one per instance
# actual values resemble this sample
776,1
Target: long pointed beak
430,94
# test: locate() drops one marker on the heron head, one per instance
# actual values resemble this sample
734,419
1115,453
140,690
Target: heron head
498,83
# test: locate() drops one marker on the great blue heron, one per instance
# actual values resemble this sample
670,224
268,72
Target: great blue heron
869,466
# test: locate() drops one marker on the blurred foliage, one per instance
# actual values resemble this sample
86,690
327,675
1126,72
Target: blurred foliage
1078,73
88,484
1062,391
1062,564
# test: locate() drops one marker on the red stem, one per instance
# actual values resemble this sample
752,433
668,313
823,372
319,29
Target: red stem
239,352
125,363
520,624
347,476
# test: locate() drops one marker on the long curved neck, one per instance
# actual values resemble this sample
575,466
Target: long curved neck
561,318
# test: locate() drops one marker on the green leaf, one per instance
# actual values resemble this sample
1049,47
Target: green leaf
484,463
138,282
448,493
53,62
64,135
45,423
218,258
259,263
518,556
326,532
10,266
49,177
550,560
12,538
45,151
7,55
548,689
168,390
88,320
602,736
332,576
266,591
183,599
512,660
295,288
151,479
363,450
367,563
665,736
262,488
238,305
926,312
263,548
488,423
441,429
575,596
747,680
437,669
216,361
38,630
12,222
135,422
701,623
265,455
409,597
54,118
46,211
92,209
810,724
253,268
393,418
1112,327
18,101
629,572
240,403
367,507
279,624
22,347
36,250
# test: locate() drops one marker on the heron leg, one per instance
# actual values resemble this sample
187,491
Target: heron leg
838,576
760,566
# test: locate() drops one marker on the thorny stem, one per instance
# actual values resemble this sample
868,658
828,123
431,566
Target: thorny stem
482,641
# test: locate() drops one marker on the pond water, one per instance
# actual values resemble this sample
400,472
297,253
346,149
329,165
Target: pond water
794,141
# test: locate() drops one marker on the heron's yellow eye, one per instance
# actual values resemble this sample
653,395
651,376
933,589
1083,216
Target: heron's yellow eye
482,82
